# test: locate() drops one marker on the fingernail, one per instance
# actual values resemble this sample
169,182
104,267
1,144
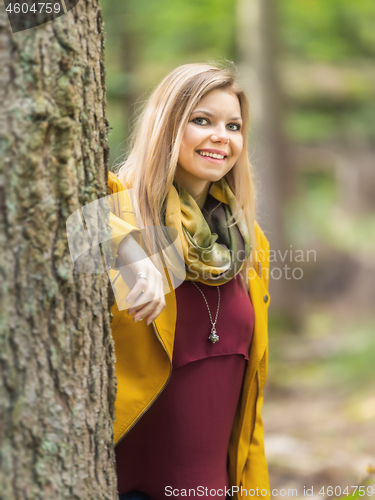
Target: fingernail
137,319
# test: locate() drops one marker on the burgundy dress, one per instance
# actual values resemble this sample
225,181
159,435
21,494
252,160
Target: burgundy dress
182,440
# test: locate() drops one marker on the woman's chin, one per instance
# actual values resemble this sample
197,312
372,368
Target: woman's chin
215,178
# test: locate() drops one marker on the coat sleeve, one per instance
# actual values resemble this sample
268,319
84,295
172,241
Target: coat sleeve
122,219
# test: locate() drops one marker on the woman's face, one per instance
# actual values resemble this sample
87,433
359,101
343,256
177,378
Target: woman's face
212,141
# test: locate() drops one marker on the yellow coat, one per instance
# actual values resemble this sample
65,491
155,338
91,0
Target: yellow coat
144,361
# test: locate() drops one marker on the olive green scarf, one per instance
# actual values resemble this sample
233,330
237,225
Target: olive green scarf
213,253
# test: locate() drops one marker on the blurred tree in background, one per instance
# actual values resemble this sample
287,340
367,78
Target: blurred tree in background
328,78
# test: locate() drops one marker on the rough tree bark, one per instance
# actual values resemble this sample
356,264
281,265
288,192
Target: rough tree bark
57,383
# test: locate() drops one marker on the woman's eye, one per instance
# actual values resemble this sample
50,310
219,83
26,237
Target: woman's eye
234,127
200,121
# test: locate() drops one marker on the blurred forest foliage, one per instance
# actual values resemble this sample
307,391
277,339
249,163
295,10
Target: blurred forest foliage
334,91
326,77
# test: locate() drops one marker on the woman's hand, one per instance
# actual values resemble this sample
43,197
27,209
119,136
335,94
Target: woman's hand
146,296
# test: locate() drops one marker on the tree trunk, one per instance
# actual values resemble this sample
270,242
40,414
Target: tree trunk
258,50
57,381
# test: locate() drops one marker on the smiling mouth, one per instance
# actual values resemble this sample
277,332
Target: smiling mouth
212,155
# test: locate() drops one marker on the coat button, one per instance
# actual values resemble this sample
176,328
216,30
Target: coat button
265,298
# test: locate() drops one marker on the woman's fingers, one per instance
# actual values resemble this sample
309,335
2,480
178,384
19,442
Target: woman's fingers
147,309
149,299
151,317
150,311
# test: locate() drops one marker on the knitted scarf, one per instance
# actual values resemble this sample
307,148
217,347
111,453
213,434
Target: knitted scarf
213,253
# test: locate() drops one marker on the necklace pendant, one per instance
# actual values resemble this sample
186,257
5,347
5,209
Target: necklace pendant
213,337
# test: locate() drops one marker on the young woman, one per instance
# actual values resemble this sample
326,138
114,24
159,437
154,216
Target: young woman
192,351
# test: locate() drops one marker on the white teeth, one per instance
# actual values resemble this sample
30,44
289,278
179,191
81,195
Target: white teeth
212,155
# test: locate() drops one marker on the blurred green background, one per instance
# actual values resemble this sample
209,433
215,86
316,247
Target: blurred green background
308,66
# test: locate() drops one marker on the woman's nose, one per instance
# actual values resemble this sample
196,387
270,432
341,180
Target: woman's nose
220,134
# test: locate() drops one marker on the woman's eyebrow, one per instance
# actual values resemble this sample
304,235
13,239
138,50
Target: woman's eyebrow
208,113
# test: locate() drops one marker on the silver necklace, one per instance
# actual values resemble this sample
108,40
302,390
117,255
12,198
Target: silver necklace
213,337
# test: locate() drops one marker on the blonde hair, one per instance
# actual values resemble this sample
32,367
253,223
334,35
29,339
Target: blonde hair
155,144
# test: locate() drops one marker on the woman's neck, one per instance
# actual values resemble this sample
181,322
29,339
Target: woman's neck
198,191
201,197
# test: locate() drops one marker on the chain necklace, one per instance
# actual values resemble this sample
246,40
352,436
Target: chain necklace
213,337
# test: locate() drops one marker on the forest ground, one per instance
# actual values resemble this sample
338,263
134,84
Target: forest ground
319,410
